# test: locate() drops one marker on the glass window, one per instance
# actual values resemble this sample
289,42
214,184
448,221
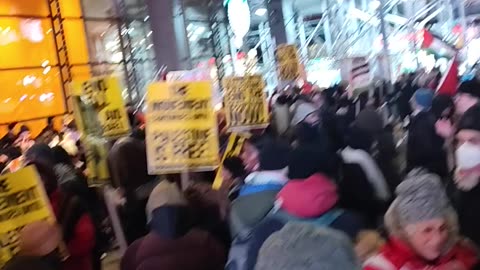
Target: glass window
31,93
104,42
24,7
99,9
26,43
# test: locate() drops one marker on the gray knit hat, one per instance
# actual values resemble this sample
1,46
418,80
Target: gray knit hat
302,246
302,110
421,197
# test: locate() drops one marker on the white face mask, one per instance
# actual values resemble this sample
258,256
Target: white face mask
467,156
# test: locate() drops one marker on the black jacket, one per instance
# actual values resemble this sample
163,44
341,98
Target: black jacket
467,205
425,148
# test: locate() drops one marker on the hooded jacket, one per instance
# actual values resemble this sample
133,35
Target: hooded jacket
256,199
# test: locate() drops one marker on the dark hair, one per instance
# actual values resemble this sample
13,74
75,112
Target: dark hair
48,176
440,103
358,138
471,119
24,128
235,166
40,152
11,126
37,263
61,156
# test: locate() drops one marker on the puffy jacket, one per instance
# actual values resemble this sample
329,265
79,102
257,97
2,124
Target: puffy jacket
396,255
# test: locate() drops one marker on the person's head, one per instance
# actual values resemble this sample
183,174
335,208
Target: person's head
468,149
318,99
443,107
274,156
318,196
306,161
12,126
61,156
50,121
370,121
422,216
232,170
250,152
164,194
422,100
40,153
47,175
467,96
303,246
358,138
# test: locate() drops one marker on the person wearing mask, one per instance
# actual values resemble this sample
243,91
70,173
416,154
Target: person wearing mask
423,230
256,198
302,246
425,148
466,195
315,200
363,187
467,96
77,227
174,241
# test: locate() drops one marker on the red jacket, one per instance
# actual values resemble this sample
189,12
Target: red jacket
396,255
80,247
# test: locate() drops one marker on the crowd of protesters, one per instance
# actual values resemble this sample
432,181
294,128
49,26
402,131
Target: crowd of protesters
325,186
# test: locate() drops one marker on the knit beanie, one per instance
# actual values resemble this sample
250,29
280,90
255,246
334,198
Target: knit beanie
165,193
423,98
470,119
302,246
420,197
306,161
303,110
318,196
274,156
471,87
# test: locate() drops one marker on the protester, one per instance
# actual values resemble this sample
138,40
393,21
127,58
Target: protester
233,176
257,196
281,114
250,152
466,197
423,229
425,148
77,226
468,95
314,200
302,246
363,187
174,241
9,138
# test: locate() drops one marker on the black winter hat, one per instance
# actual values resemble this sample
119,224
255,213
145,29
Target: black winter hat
235,166
471,119
274,155
306,161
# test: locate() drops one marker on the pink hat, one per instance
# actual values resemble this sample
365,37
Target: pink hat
308,198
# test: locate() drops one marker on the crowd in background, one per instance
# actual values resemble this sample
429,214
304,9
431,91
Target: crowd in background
327,185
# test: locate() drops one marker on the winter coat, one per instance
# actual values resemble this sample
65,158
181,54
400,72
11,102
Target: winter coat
467,205
396,255
78,231
425,148
255,201
196,250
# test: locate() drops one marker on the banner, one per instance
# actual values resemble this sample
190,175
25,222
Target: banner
22,202
288,62
234,148
181,130
100,107
245,102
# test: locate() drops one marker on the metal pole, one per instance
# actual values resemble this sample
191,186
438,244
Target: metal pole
386,51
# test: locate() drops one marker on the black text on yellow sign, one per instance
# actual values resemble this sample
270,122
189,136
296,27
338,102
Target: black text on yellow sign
181,130
288,62
22,202
245,102
100,108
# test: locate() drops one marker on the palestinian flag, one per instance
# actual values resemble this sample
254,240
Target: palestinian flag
436,45
449,83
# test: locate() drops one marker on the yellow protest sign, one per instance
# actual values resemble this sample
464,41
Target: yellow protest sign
100,108
234,148
245,102
181,130
288,62
22,202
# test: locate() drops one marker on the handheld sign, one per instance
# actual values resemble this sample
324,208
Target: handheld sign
22,202
101,109
245,103
288,62
181,130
